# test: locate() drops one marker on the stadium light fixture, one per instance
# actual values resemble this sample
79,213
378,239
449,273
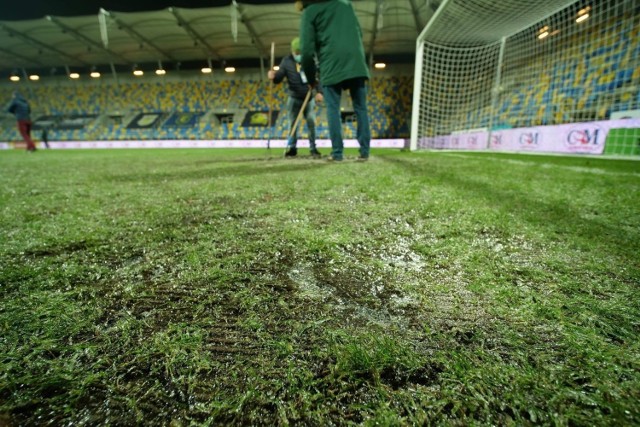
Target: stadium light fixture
137,71
543,32
582,18
74,75
380,65
14,78
276,67
160,71
95,74
583,14
230,69
207,69
34,77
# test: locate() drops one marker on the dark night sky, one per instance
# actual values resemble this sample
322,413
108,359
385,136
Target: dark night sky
13,10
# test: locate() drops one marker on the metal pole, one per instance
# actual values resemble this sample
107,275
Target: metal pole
270,83
496,88
417,93
417,79
113,71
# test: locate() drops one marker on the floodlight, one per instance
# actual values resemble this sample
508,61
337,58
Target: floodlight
583,14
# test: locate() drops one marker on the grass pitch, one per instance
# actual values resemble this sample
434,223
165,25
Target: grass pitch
208,287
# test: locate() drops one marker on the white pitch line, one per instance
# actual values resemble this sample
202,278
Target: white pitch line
581,169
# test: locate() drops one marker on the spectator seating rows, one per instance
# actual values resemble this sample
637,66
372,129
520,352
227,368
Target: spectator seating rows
116,104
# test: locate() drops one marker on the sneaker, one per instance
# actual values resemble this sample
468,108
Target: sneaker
291,152
362,159
315,154
333,159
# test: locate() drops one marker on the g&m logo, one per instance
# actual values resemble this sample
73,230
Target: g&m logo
530,139
455,142
578,138
496,140
472,141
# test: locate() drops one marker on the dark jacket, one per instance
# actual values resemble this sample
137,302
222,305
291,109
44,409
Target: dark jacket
330,30
20,108
290,69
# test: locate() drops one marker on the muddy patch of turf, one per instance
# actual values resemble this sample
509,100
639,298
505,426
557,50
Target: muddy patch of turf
208,287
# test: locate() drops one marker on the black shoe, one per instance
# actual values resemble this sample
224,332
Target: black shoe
362,159
315,154
333,159
291,152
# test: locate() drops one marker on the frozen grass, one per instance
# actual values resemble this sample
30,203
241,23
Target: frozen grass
208,287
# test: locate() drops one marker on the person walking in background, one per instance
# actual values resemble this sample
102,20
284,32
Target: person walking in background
20,108
45,136
330,30
298,87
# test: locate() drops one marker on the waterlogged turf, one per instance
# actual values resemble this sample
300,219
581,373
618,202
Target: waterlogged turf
189,287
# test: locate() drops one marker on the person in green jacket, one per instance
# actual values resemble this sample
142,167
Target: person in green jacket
330,31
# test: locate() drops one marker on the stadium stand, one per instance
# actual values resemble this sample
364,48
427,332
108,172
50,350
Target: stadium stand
591,81
143,110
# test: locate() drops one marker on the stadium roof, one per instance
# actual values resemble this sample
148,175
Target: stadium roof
186,37
481,22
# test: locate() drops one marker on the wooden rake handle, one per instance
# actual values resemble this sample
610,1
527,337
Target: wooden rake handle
297,122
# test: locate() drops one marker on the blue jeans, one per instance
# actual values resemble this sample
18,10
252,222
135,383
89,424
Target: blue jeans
293,106
332,95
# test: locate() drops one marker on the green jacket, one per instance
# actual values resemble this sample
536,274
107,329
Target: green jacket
330,29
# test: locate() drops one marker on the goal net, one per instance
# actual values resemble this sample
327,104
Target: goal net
486,65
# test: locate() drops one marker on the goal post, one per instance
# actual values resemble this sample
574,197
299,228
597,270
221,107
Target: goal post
511,64
418,93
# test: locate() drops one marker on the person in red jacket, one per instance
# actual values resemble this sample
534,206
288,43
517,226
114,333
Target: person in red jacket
20,108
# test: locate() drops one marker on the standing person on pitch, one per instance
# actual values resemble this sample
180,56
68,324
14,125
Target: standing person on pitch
45,136
330,30
20,108
298,88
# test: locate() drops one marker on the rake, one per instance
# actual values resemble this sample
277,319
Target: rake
294,128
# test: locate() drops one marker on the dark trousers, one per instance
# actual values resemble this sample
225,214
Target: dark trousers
332,95
45,138
294,105
24,126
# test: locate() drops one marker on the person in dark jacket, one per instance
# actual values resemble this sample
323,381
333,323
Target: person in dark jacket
330,31
44,135
19,107
298,87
